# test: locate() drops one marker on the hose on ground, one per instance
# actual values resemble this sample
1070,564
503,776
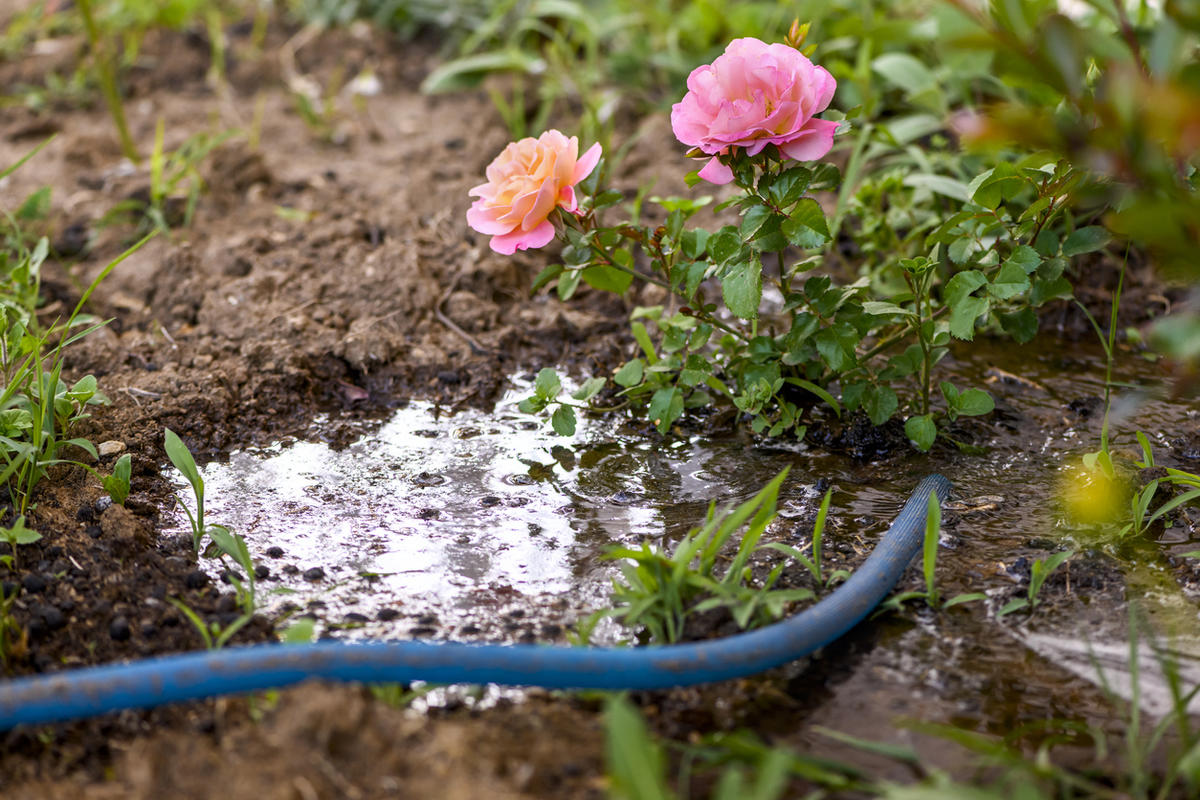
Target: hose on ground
192,676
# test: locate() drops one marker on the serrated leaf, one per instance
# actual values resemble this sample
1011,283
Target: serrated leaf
961,285
1021,325
756,216
1026,258
741,287
1009,282
1044,291
806,227
964,314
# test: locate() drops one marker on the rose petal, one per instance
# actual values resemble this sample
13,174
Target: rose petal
510,243
813,142
716,172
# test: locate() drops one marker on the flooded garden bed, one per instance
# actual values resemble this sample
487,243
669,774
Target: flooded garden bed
410,444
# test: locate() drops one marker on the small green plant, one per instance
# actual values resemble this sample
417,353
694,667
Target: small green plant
175,184
929,548
1038,573
16,535
234,546
813,565
658,591
117,484
214,635
13,638
181,458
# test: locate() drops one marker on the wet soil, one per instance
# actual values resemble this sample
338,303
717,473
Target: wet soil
311,287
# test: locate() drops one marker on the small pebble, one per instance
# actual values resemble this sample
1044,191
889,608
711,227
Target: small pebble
314,574
275,552
290,569
119,629
33,583
104,503
94,531
85,514
53,618
262,571
110,448
195,580
388,614
427,619
354,616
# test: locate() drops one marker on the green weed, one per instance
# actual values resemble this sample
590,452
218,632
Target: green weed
659,591
117,484
17,534
929,548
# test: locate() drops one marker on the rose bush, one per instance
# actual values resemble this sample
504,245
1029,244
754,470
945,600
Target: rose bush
526,182
753,95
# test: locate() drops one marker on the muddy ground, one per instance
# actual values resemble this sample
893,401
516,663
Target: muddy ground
314,279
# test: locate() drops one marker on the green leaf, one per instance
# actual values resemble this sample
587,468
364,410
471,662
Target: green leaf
1016,604
467,72
547,385
607,279
1021,325
1026,258
725,244
1086,240
589,389
939,184
666,406
961,285
568,282
756,216
904,72
921,430
741,287
806,226
181,457
1009,282
974,402
19,534
880,309
1001,183
630,374
1044,291
563,421
881,402
964,314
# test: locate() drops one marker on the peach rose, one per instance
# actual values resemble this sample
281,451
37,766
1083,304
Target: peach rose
525,184
753,95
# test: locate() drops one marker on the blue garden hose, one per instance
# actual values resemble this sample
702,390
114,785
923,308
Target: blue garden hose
192,676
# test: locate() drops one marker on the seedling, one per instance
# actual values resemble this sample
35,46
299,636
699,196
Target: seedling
929,548
1038,573
117,484
13,638
16,535
214,635
813,565
182,459
234,546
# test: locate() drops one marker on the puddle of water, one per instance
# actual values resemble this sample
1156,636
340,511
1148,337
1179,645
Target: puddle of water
487,526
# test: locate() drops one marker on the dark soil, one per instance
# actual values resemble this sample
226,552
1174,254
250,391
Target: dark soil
312,280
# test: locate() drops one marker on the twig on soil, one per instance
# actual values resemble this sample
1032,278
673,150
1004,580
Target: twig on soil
476,347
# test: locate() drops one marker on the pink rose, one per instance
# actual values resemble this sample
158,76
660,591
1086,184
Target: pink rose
525,184
753,95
